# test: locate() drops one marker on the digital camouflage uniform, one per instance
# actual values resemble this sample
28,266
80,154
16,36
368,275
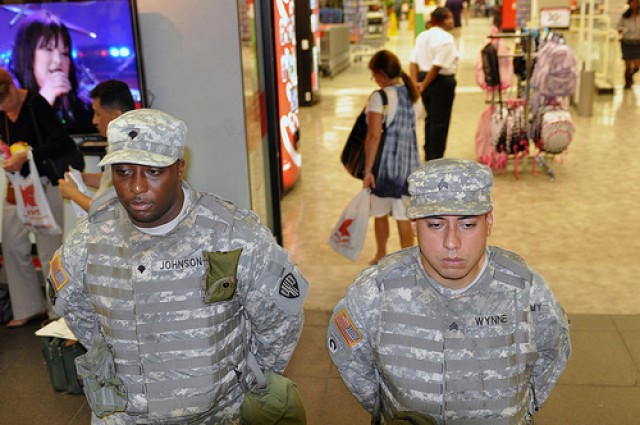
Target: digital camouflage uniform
178,310
402,341
489,354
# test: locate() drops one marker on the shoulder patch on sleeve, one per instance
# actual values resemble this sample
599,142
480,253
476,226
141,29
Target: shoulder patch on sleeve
348,330
58,275
289,287
289,291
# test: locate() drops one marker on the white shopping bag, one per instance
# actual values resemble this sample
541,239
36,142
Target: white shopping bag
31,201
77,178
347,237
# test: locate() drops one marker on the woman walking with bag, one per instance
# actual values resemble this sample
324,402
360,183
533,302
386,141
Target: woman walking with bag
629,29
27,117
398,149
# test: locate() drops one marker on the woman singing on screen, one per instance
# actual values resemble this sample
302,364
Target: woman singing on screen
41,62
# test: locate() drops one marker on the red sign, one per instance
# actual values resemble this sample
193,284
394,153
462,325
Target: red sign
287,82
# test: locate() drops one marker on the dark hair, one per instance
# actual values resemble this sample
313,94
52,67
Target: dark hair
387,63
5,84
36,29
627,13
497,17
113,94
439,15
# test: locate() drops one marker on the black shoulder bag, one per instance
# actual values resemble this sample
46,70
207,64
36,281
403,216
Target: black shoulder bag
353,152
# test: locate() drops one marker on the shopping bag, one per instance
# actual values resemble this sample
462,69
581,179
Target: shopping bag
77,178
347,237
31,201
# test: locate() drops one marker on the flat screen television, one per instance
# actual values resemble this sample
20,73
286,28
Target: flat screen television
104,44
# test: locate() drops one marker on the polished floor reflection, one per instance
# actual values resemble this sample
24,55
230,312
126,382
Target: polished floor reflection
578,230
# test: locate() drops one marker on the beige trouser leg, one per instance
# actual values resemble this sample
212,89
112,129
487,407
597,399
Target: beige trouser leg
25,287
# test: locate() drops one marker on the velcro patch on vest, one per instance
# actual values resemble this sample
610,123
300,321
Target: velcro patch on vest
492,320
58,275
289,287
540,307
347,329
194,261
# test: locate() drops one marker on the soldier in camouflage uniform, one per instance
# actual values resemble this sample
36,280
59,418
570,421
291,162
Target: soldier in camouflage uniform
179,285
453,328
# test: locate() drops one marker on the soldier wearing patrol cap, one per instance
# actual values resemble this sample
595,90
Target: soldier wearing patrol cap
176,294
464,332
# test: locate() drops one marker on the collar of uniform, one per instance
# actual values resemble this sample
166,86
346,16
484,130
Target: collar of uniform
483,277
163,229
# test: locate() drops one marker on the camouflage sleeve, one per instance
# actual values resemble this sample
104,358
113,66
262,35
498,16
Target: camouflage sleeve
551,336
66,281
350,339
272,292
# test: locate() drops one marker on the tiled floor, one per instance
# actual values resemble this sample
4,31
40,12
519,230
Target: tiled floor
580,231
600,385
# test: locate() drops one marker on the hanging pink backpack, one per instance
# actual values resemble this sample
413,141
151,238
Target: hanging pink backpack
505,65
485,150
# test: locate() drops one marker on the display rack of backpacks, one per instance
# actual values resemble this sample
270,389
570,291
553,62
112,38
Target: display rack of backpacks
553,81
502,134
546,77
502,131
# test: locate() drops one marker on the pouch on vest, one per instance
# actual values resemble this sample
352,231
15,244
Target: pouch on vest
220,281
413,418
278,403
105,392
59,355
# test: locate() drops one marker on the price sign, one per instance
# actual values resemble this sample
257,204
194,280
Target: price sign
555,17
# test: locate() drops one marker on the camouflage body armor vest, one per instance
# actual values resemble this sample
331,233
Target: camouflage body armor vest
466,358
175,353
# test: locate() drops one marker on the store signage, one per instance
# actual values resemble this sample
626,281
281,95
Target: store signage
555,17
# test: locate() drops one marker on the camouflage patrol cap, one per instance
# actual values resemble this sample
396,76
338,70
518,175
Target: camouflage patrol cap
450,187
145,137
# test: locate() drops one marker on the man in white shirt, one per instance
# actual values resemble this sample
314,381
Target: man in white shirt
434,62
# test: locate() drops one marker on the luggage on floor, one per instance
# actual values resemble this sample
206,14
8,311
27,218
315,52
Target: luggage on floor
59,354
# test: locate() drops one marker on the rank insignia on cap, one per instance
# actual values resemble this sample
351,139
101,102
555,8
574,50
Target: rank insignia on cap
58,275
289,287
346,327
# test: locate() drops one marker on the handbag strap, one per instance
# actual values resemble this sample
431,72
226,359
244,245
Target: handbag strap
385,108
